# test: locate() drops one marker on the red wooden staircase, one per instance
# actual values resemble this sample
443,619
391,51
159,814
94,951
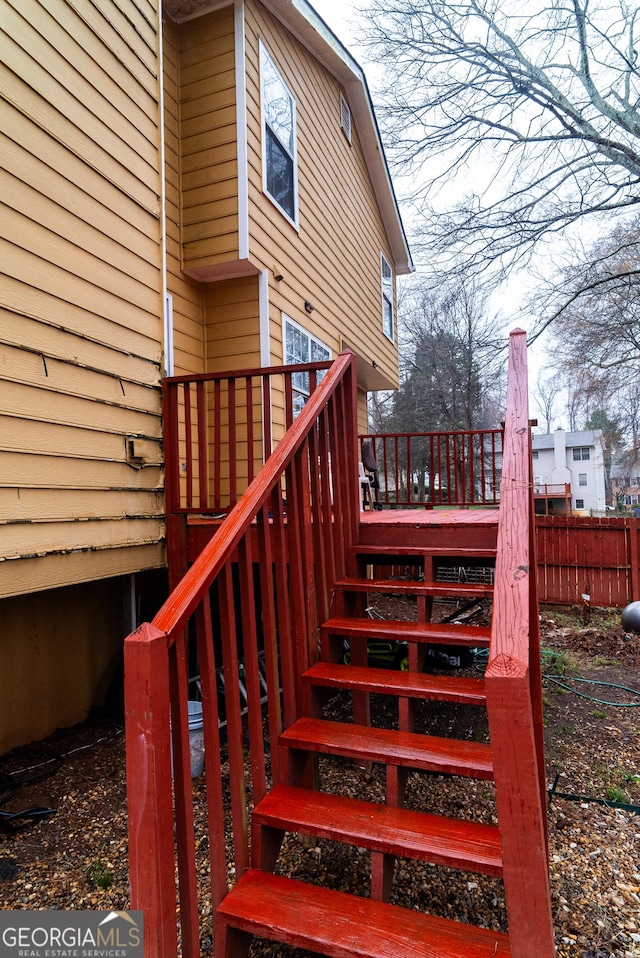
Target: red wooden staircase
301,605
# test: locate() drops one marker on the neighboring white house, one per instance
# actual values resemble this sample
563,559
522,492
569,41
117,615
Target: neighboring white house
568,471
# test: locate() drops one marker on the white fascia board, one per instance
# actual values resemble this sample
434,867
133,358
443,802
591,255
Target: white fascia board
310,29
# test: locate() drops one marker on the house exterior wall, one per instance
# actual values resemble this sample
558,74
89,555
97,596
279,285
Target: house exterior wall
332,261
80,345
80,322
87,114
554,463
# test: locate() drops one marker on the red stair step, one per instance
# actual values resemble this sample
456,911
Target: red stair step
389,630
471,846
449,756
442,688
452,590
345,926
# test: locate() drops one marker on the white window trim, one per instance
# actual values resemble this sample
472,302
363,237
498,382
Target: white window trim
264,54
383,261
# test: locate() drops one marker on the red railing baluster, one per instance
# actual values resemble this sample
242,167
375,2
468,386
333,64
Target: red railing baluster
268,591
283,611
230,663
211,729
251,668
188,444
249,407
203,446
217,443
185,842
232,442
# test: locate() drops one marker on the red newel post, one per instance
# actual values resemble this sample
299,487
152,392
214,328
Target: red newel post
150,807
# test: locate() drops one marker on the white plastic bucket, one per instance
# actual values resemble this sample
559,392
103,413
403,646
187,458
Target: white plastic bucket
196,739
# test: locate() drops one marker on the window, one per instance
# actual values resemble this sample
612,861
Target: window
345,118
279,161
301,347
537,480
579,503
582,478
535,454
387,298
581,453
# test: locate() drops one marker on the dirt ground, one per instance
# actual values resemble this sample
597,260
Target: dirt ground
74,853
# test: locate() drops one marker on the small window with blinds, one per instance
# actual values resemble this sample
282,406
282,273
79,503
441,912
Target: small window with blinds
345,118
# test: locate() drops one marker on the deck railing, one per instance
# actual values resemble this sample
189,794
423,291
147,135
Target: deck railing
226,609
220,428
459,468
513,685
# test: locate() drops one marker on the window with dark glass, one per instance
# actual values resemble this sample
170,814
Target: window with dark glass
279,138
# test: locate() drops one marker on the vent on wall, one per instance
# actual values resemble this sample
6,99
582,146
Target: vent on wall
345,117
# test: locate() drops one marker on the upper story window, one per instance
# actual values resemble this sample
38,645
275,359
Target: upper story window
534,454
301,347
388,319
582,478
279,155
345,118
581,452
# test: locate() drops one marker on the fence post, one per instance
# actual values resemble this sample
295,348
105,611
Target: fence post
634,559
150,807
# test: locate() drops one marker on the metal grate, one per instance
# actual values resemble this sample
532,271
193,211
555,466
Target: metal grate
480,574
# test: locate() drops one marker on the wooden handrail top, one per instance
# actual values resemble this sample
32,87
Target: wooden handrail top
426,435
185,598
510,621
246,373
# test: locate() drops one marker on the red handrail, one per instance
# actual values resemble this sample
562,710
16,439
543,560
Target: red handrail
301,554
513,685
427,469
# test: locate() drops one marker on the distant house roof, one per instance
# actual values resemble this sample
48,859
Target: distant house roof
303,22
590,437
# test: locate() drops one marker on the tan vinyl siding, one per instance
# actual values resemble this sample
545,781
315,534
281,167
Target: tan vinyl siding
208,141
233,342
81,310
333,260
188,313
233,324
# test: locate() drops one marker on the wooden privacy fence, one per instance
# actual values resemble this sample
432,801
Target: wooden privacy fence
580,555
460,468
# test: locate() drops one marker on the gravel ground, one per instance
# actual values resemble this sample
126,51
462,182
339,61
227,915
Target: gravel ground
76,857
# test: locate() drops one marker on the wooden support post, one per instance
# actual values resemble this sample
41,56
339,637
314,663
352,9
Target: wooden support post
521,814
151,850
